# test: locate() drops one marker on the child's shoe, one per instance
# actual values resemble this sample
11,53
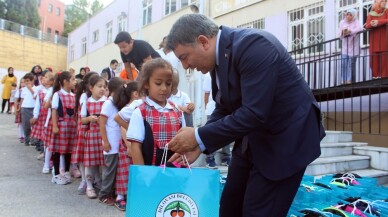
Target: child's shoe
21,139
91,193
75,172
40,156
67,177
82,188
121,204
108,200
59,180
45,170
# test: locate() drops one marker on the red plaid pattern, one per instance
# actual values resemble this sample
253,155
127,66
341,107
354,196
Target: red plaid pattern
164,125
18,116
122,170
38,129
93,155
64,141
78,152
48,134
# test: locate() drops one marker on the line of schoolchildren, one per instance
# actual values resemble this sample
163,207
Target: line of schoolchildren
94,130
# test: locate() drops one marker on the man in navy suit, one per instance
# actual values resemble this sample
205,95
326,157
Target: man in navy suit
262,103
110,71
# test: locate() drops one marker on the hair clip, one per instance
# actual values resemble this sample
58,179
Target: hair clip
125,85
58,73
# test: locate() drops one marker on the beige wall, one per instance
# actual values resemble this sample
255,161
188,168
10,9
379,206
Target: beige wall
361,128
22,52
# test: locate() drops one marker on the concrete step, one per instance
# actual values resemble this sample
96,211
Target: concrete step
380,175
337,136
333,149
328,165
378,155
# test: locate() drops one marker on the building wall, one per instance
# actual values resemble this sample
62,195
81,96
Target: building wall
23,52
51,19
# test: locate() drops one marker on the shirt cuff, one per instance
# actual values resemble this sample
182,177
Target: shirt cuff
199,141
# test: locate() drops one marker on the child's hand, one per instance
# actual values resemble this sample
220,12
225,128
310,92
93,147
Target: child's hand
55,129
129,152
17,110
190,106
106,146
33,121
93,118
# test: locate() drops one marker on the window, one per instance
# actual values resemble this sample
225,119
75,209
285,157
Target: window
169,6
50,8
108,33
96,35
306,27
71,53
257,24
362,6
83,47
122,22
184,3
58,12
147,11
49,31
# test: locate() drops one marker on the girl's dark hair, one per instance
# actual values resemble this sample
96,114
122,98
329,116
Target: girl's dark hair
32,70
147,69
115,84
92,82
60,79
9,68
123,96
82,87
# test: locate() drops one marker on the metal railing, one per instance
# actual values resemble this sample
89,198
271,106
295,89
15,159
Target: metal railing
359,104
31,32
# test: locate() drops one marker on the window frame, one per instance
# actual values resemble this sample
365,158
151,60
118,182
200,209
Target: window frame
306,28
109,32
83,46
96,35
147,12
171,9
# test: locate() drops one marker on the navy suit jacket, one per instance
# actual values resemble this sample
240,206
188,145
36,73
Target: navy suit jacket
265,102
107,70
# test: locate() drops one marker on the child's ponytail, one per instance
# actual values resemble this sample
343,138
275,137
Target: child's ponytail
123,95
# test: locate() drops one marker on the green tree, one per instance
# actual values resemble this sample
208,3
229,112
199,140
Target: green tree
24,12
78,13
96,6
2,9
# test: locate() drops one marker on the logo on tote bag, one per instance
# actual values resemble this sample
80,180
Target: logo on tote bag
177,205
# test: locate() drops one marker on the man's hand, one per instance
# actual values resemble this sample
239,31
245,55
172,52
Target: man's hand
190,156
184,141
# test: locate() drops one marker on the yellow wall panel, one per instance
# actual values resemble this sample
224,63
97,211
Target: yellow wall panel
22,52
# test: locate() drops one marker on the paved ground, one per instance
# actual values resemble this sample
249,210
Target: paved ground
25,191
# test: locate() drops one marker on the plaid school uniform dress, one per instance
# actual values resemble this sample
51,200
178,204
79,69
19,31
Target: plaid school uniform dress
78,152
18,116
38,131
63,142
122,173
164,126
93,152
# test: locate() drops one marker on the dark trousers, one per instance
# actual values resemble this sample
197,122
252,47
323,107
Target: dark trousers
109,174
248,193
3,105
27,114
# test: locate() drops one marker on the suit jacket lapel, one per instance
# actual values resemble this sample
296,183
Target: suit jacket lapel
224,60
